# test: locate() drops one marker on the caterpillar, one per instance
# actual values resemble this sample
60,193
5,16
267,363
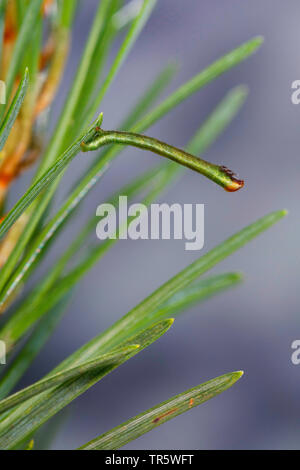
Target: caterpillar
219,174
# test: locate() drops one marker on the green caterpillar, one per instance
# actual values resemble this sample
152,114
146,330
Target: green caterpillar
219,174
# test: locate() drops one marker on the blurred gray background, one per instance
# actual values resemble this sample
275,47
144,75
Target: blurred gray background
249,328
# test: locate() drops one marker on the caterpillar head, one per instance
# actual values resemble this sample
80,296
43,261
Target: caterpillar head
235,184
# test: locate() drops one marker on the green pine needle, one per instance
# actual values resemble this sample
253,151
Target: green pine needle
145,422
